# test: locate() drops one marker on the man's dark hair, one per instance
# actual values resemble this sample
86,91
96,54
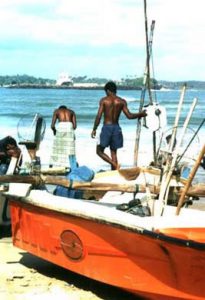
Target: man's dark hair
63,107
111,86
11,141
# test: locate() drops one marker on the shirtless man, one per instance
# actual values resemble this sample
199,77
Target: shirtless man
63,114
111,107
64,142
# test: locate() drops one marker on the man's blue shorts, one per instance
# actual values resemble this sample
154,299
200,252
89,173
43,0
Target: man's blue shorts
111,136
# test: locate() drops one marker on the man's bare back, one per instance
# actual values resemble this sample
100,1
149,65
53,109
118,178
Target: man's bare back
112,107
63,114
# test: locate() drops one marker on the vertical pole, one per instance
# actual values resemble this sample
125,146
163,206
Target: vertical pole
190,178
174,131
169,168
146,81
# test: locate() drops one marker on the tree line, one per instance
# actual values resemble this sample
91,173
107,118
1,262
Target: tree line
26,80
129,83
23,79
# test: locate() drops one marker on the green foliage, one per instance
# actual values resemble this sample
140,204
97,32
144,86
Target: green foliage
23,79
132,82
124,83
138,82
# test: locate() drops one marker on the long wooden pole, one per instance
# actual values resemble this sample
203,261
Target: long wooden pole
167,172
39,180
173,136
190,178
174,131
146,80
176,152
148,52
193,137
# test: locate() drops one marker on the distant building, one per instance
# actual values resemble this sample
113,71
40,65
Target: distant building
86,84
64,79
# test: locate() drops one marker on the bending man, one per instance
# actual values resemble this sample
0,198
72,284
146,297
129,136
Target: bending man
64,142
111,136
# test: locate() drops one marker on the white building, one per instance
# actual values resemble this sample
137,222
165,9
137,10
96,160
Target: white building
64,79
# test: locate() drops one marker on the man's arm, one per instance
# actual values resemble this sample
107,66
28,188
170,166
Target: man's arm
130,115
74,120
97,119
54,122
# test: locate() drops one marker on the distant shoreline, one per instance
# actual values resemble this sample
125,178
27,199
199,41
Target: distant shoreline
34,86
96,87
85,83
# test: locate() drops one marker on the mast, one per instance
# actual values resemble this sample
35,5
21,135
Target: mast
146,80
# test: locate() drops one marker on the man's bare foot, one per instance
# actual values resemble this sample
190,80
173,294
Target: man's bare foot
118,167
115,166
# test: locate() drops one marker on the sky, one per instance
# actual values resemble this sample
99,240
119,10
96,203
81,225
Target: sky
102,38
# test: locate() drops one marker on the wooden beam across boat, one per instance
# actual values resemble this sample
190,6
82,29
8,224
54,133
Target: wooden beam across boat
39,180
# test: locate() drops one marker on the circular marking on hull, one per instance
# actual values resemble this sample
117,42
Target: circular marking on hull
71,245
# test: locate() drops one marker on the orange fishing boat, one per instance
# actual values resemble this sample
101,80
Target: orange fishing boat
158,257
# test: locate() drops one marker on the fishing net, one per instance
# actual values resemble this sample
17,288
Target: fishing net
190,145
187,150
31,128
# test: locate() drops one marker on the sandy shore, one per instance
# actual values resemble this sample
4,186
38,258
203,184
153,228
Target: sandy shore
25,277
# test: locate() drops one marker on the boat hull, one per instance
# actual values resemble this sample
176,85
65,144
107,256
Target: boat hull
133,260
4,212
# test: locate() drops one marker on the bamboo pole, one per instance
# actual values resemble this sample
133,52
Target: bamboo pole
193,137
176,153
40,180
148,53
166,171
190,178
146,81
174,131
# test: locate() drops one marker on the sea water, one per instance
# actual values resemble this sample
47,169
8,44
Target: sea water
16,104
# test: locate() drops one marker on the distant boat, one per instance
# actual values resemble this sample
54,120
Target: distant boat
164,89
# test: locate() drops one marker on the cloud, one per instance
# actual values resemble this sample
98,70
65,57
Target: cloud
102,37
92,22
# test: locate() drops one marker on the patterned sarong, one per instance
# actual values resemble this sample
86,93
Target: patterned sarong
63,144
